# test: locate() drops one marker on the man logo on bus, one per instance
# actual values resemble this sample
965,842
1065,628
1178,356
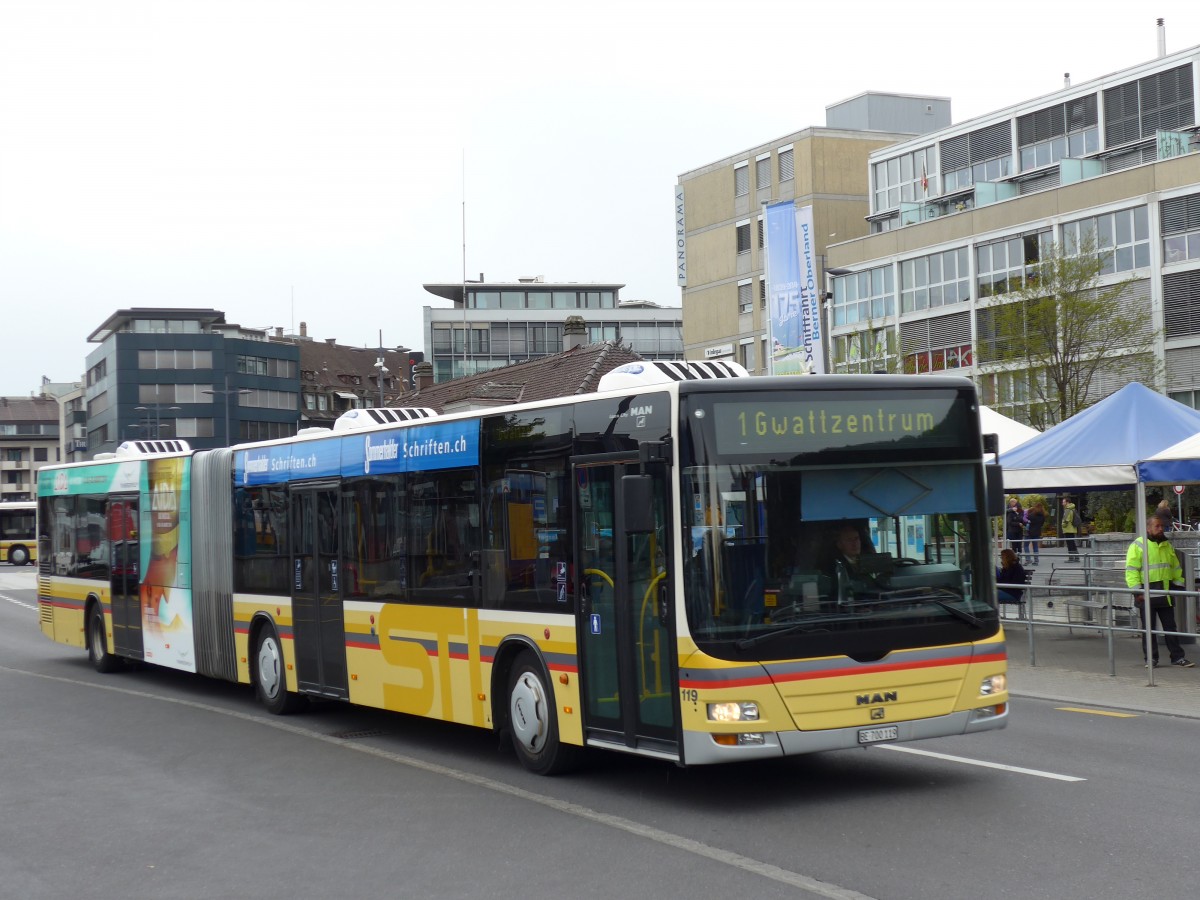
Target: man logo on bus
60,482
885,697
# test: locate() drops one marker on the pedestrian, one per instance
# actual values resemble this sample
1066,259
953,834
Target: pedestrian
1069,528
1033,533
1163,511
1165,574
1014,524
1010,572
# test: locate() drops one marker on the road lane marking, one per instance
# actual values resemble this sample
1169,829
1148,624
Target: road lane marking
17,602
979,762
638,829
1097,712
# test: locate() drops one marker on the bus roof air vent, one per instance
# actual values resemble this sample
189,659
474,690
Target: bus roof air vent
353,419
152,448
639,374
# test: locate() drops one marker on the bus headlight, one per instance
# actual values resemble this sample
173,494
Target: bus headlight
993,684
733,712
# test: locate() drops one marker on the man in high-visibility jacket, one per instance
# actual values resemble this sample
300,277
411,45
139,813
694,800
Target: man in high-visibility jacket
1165,573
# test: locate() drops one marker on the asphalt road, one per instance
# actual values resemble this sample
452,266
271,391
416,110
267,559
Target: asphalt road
151,783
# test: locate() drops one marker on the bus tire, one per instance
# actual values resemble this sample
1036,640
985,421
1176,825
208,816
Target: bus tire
270,676
18,555
97,643
533,720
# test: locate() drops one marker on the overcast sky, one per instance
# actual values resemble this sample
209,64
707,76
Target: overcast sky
307,161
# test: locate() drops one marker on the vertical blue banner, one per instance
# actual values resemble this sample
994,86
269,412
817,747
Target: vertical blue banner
797,328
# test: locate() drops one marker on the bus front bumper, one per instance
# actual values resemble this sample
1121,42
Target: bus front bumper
700,748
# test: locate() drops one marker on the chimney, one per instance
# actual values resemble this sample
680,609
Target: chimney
332,342
423,375
1066,79
279,331
303,329
574,333
1162,39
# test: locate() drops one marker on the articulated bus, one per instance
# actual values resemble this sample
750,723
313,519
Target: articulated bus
652,568
18,531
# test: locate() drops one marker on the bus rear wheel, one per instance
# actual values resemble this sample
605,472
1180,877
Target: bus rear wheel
270,677
18,555
533,720
97,643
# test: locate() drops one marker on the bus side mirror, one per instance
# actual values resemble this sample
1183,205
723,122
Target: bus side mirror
995,489
638,496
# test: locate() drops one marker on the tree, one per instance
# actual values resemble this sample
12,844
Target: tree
1067,332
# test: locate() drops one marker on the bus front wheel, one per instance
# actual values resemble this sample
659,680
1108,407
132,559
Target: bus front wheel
533,720
97,643
270,677
18,555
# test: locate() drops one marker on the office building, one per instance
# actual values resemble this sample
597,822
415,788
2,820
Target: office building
29,428
161,373
506,322
959,216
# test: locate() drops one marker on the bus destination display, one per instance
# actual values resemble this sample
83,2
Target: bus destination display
810,426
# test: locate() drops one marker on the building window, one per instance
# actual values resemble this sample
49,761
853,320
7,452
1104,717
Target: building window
746,354
1066,130
1163,101
908,178
175,393
745,296
864,296
934,345
1001,266
743,237
866,351
929,282
1181,229
741,179
1181,303
762,293
193,428
40,454
760,233
786,166
983,155
175,359
264,365
1123,238
762,171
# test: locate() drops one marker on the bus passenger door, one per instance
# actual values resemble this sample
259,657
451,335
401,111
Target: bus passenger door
124,579
625,642
318,624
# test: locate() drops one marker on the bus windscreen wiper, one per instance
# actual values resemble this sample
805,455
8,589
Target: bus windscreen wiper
746,643
921,595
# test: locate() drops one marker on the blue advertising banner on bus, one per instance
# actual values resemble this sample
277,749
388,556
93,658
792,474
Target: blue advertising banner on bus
445,445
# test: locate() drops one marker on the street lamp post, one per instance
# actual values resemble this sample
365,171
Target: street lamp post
226,394
157,424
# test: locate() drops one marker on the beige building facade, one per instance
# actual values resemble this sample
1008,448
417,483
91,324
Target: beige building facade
720,208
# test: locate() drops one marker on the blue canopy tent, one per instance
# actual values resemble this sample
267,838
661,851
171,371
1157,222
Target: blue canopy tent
1178,464
1100,448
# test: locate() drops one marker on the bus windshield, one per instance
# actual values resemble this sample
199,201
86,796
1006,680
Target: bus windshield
806,554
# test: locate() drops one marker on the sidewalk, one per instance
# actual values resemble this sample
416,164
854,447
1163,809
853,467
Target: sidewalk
1072,667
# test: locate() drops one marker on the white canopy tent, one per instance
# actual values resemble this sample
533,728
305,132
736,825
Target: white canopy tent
1010,432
